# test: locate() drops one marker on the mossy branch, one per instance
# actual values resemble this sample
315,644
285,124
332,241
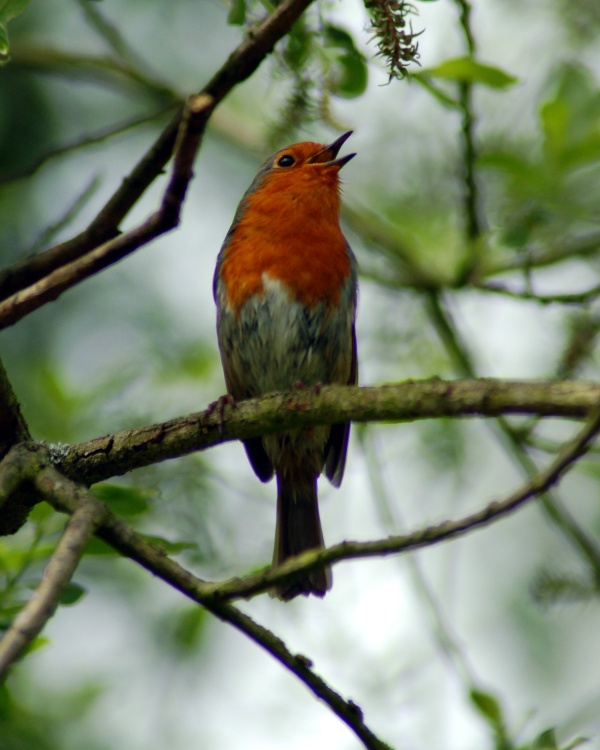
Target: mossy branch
111,455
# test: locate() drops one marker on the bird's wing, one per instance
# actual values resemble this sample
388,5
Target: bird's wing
337,444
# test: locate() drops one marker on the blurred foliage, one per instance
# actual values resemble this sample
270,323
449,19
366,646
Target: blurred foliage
552,189
9,9
318,62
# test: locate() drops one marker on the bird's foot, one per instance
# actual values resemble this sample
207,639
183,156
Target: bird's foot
219,406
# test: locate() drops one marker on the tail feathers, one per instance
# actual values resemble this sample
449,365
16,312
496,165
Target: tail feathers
298,530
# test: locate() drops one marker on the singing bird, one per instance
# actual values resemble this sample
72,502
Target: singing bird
286,290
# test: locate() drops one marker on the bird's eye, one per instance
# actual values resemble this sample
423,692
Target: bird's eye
286,160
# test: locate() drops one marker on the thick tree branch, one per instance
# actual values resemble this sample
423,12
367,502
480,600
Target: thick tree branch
240,65
112,455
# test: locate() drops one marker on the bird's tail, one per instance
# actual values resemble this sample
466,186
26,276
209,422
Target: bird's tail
299,529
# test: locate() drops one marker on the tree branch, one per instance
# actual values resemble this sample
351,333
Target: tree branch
90,514
569,454
13,430
57,574
197,113
513,442
471,197
111,455
240,65
83,141
30,465
575,298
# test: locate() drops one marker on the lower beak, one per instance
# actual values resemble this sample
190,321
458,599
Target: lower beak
327,156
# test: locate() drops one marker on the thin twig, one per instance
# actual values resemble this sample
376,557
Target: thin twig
57,574
575,298
90,139
471,200
550,254
441,631
110,34
100,69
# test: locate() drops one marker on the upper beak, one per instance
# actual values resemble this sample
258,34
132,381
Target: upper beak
327,156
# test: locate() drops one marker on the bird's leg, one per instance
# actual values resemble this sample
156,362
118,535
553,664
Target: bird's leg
219,406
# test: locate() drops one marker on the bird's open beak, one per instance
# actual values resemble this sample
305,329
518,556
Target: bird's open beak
327,156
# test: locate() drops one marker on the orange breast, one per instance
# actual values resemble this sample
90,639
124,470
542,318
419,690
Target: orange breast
292,236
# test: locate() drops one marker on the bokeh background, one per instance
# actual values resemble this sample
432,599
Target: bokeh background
510,611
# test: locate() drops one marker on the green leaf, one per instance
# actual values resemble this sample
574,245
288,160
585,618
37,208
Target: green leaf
577,742
545,741
237,13
3,44
352,76
488,706
351,68
6,702
9,9
97,547
555,118
298,45
467,70
423,80
188,626
127,501
585,151
38,642
72,593
338,37
168,546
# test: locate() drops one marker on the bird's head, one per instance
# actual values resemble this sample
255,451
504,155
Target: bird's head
303,168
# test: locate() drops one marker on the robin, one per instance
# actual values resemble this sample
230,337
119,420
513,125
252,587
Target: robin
285,289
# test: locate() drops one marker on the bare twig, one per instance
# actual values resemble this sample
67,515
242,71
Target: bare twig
63,220
240,65
110,34
442,634
116,454
90,139
471,200
575,298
